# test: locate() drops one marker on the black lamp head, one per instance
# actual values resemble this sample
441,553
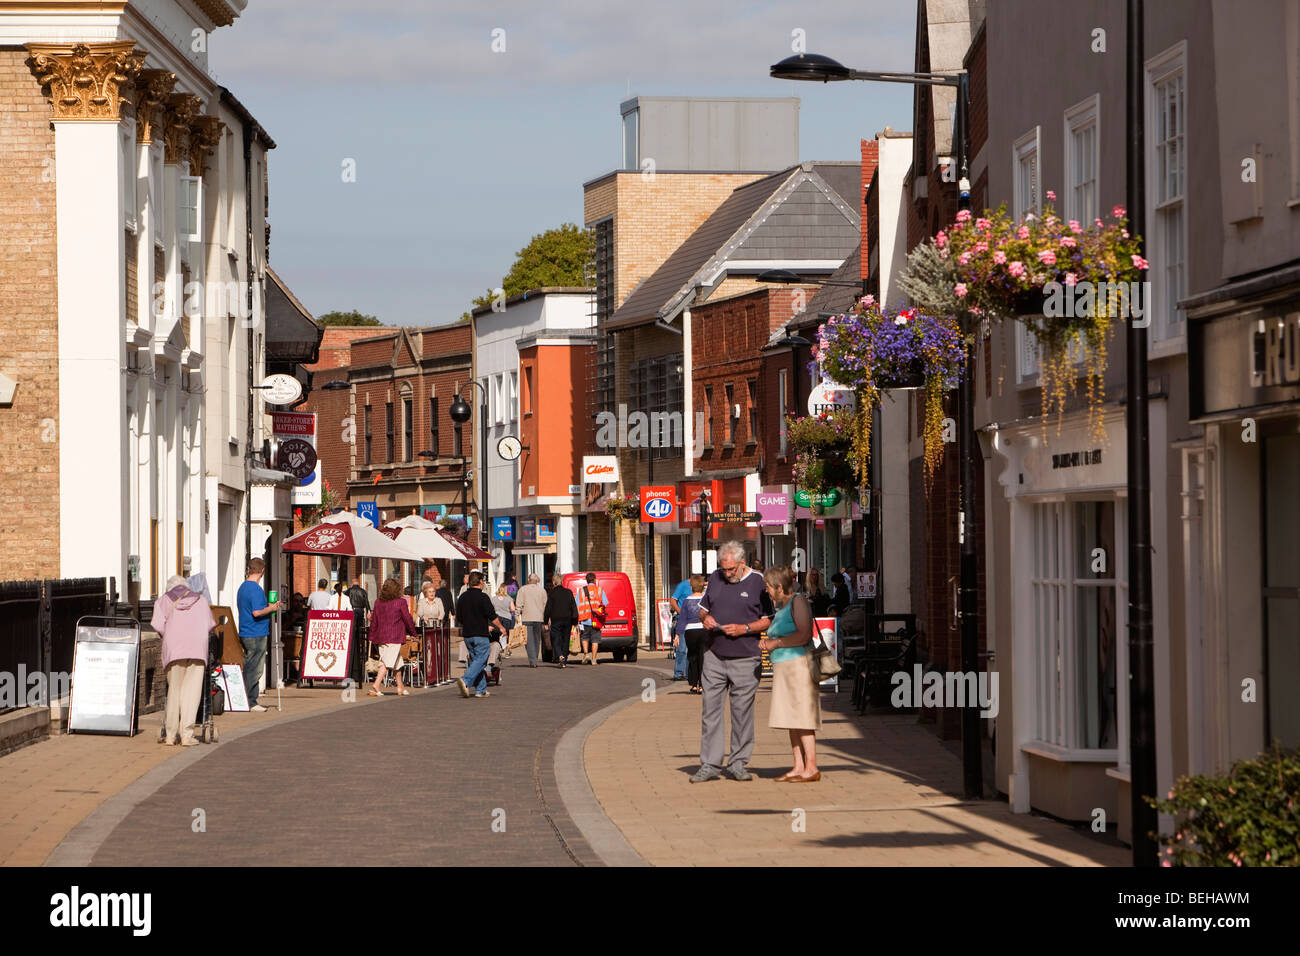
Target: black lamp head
459,410
810,66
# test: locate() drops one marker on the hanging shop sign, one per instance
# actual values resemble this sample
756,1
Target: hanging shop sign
827,499
658,503
503,529
600,469
297,431
830,397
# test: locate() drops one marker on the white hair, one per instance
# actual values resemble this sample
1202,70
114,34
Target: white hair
534,579
733,548
173,581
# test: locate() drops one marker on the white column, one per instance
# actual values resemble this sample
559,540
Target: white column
688,396
92,307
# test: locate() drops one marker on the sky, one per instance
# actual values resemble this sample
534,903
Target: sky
463,154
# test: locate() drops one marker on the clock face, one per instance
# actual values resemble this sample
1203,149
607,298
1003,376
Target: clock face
509,448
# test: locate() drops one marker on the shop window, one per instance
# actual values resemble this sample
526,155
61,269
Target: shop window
751,390
388,431
433,426
1078,620
1167,178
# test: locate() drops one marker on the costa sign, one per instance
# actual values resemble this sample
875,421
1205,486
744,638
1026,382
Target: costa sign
829,397
600,469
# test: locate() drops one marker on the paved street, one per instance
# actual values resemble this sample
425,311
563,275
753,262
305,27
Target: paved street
413,781
420,781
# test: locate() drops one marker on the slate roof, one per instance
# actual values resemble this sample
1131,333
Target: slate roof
807,212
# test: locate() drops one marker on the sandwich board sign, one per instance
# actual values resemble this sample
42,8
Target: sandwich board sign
105,665
327,646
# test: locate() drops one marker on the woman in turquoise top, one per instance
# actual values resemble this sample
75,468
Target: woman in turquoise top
796,706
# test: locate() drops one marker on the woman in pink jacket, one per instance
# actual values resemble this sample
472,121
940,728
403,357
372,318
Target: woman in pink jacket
183,618
390,625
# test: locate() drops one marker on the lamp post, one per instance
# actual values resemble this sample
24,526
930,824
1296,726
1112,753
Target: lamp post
818,68
460,413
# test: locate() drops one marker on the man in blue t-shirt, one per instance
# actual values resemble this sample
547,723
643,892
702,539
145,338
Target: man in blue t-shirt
680,594
254,628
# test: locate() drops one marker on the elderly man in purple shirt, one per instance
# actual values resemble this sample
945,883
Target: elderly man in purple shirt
735,610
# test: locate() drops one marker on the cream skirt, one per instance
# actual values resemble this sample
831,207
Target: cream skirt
796,701
388,653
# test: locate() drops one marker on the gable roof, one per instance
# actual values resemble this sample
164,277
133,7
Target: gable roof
831,298
806,213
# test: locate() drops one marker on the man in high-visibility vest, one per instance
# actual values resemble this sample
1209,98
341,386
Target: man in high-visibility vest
593,604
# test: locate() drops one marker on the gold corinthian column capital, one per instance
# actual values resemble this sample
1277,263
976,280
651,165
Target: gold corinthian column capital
85,81
205,134
152,90
177,119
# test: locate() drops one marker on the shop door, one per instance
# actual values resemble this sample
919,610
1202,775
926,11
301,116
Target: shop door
1280,528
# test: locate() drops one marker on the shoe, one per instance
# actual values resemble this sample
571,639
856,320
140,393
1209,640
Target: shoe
813,779
704,774
190,742
532,665
404,693
785,777
376,693
738,772
258,709
464,688
482,695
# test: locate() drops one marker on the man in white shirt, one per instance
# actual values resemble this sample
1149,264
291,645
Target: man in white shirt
320,599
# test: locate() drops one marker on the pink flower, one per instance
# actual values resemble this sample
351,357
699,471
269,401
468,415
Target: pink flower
943,253
1139,262
1016,268
1117,212
960,289
982,223
1124,233
964,258
999,257
981,246
1075,227
976,310
1069,242
1023,232
1071,278
1051,195
940,238
1047,257
963,215
1165,863
868,300
1098,223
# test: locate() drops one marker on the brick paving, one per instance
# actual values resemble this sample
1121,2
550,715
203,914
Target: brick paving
889,796
413,781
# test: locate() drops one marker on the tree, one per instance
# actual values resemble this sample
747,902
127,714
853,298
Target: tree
556,257
347,318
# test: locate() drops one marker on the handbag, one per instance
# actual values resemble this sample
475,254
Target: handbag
823,663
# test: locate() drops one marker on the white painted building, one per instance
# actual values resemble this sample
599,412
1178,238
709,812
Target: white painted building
543,326
157,241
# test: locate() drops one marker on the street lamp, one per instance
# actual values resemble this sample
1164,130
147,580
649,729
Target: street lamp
460,412
786,277
815,67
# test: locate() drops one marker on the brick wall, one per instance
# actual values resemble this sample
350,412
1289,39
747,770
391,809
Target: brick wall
870,160
29,464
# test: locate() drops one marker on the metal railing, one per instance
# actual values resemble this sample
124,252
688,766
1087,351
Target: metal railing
38,625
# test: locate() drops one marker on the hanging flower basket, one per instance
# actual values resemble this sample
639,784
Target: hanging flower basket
622,507
822,446
1066,282
873,349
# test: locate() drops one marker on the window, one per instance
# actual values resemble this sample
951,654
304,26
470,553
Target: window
783,379
433,426
527,396
730,391
655,388
388,427
1024,175
514,396
369,438
188,221
408,429
1078,609
751,389
1167,176
1082,152
709,415
631,144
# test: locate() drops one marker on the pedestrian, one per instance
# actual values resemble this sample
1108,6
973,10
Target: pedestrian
796,704
512,586
735,609
448,603
429,610
183,617
840,599
689,638
478,618
680,593
561,611
531,602
339,602
254,628
592,607
506,612
390,625
320,598
816,594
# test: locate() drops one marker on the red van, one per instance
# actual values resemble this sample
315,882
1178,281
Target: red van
619,635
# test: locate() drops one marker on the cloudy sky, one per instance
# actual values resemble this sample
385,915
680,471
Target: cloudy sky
462,154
